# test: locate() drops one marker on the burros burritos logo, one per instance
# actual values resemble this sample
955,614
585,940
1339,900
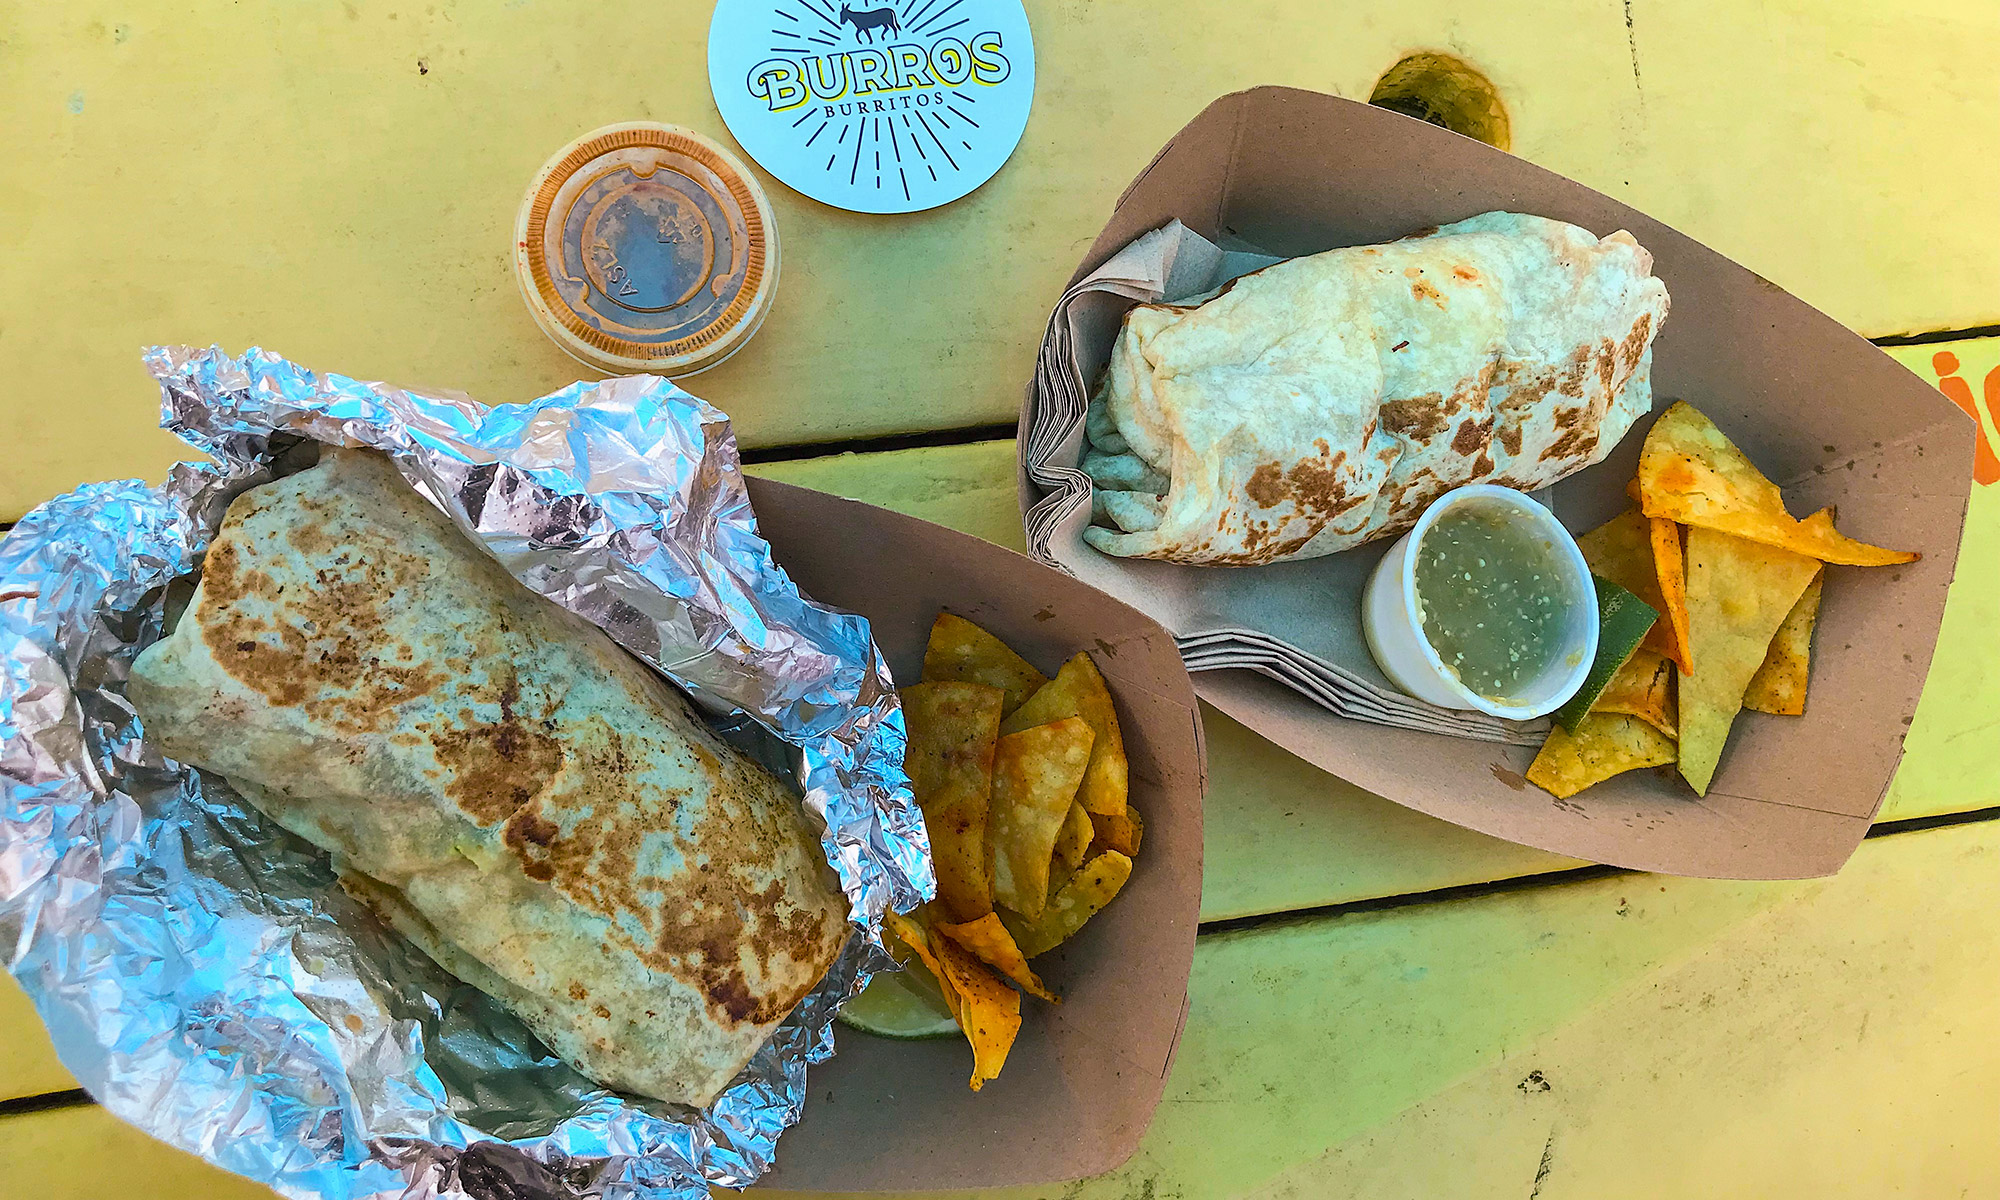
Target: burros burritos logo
882,106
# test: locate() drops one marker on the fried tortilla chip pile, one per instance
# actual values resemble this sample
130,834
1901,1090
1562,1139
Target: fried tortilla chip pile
1737,582
1022,783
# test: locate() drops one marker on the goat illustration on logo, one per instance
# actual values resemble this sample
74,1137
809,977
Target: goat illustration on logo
868,20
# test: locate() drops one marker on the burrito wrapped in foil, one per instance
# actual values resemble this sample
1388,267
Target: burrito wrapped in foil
526,802
202,971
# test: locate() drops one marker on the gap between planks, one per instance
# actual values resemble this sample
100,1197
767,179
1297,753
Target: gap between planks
22,1106
1518,883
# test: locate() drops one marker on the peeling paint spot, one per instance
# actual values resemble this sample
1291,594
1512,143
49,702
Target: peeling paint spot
76,101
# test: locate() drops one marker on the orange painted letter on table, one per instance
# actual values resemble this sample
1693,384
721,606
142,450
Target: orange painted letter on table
1992,390
1985,467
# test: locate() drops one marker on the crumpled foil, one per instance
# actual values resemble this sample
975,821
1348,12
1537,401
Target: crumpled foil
201,972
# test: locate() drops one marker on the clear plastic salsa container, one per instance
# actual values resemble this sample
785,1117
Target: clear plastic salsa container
646,248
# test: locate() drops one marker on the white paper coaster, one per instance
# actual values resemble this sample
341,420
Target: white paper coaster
881,106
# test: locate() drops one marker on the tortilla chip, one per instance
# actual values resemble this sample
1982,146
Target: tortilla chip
1779,686
1643,688
1631,551
1619,551
913,931
1670,636
952,731
990,943
1072,844
986,1009
1119,833
962,651
1036,773
1604,745
1087,892
1692,473
1739,592
988,1012
1078,691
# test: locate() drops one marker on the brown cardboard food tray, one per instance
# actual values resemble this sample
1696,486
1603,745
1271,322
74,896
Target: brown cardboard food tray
1084,1077
1825,414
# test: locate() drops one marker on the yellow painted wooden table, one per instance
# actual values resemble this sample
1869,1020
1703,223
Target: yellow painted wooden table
1384,1005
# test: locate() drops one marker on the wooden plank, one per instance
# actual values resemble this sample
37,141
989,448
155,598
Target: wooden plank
1951,758
1823,1048
969,488
1698,1038
28,1063
339,182
1639,1035
88,1154
1279,834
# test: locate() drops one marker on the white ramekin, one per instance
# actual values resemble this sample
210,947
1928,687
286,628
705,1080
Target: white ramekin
1395,630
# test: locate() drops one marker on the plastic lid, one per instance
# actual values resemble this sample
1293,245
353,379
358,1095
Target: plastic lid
646,248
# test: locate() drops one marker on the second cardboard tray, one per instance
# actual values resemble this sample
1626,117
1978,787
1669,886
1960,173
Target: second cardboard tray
1827,415
1082,1080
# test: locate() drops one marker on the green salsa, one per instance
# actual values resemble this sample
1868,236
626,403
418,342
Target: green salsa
1489,593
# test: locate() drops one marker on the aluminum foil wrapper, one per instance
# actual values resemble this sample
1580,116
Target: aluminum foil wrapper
199,968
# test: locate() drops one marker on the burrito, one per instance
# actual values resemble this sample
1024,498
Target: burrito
1325,401
532,807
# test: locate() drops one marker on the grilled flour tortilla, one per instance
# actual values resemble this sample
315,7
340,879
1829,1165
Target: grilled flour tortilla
531,806
1325,401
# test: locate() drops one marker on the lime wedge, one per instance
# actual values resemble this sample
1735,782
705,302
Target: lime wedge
900,1004
1623,620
